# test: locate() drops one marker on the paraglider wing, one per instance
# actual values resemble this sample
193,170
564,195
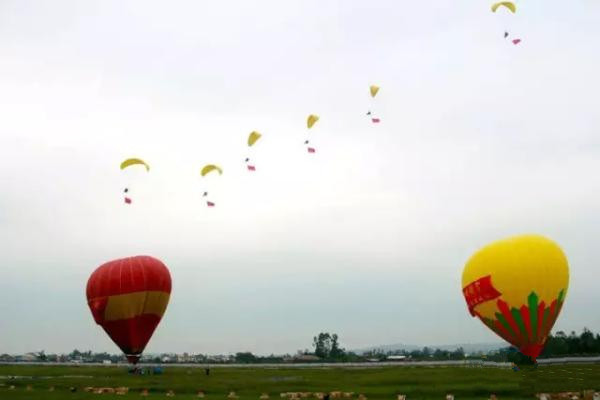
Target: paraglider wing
511,6
134,161
210,168
517,287
516,41
310,121
127,298
374,89
253,137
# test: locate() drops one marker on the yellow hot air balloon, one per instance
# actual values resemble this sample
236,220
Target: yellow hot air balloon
253,137
134,161
210,168
374,89
517,287
310,121
510,5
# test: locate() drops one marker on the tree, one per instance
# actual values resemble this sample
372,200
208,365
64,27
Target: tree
74,354
245,357
458,354
426,351
322,345
327,346
42,356
336,351
586,341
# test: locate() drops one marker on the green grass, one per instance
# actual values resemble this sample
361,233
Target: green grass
375,383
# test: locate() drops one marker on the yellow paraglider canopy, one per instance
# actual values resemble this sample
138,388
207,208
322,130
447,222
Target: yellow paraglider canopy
209,168
374,89
312,118
510,5
134,161
253,137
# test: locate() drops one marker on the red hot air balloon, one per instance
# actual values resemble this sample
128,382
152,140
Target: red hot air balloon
128,298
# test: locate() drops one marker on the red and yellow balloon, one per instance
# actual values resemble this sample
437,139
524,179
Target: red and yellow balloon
517,287
128,298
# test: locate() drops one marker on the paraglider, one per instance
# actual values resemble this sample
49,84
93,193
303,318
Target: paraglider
252,138
373,89
127,298
310,121
517,287
127,163
134,161
207,169
512,8
509,5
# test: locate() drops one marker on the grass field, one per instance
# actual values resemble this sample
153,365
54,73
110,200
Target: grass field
249,383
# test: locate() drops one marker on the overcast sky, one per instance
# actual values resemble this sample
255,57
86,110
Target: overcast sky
479,139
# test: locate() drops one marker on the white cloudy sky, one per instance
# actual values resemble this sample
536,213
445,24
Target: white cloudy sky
479,140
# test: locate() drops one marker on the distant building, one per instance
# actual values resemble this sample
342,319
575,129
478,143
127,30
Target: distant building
306,357
397,358
29,357
217,358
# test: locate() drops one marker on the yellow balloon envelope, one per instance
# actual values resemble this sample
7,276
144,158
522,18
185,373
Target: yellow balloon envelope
312,118
517,287
511,6
134,161
210,168
374,89
253,137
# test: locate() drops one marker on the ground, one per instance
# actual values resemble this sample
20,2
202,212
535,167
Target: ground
375,383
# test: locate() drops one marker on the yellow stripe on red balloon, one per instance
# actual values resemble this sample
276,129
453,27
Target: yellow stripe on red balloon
130,305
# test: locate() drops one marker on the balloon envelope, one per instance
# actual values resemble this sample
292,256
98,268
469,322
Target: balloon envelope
127,298
517,287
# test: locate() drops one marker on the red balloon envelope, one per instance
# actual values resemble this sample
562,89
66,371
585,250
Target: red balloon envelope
128,298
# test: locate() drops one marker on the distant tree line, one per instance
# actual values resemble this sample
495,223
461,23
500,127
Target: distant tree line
327,349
